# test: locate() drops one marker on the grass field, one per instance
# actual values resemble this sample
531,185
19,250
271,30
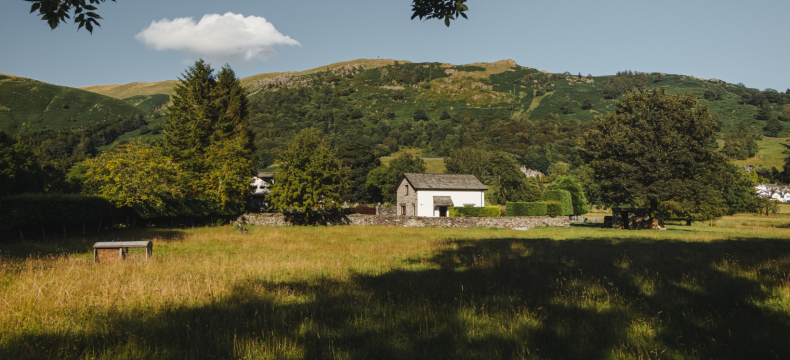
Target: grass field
772,153
700,292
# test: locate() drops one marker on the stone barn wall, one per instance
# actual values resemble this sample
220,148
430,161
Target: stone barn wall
524,222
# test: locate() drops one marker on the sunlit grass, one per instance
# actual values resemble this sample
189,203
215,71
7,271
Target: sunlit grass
404,293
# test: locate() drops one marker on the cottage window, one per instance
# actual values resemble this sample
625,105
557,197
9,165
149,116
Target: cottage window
414,210
406,189
403,210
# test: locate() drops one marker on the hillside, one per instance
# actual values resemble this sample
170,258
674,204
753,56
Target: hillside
28,106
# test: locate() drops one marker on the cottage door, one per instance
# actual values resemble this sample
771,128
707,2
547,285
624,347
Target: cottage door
442,211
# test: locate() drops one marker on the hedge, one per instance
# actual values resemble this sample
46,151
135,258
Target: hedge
578,199
468,211
189,207
45,209
564,198
525,209
554,208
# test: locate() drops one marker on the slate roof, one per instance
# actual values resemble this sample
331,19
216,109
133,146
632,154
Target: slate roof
443,201
444,182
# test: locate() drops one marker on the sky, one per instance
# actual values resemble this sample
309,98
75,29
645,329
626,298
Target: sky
154,40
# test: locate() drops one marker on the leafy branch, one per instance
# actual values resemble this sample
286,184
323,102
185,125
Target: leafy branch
56,11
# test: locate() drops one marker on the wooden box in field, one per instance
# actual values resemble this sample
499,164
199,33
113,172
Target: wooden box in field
108,252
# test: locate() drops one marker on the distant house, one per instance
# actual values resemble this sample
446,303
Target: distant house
429,195
532,173
261,186
775,192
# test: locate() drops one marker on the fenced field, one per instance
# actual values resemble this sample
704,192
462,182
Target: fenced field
700,292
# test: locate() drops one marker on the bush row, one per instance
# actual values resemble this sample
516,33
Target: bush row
525,209
488,211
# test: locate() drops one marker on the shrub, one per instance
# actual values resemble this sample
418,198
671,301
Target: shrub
553,208
563,196
525,209
488,211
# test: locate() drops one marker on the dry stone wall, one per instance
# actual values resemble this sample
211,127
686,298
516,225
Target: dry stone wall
521,222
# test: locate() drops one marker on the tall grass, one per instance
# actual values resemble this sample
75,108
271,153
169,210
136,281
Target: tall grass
403,293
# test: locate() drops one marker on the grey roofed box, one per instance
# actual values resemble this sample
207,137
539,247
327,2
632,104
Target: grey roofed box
444,181
442,201
121,245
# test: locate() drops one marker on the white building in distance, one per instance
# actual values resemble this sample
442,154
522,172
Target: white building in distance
430,195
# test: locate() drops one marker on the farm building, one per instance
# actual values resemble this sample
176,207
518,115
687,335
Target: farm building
430,195
532,173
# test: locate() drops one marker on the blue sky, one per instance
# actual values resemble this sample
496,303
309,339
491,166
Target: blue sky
735,41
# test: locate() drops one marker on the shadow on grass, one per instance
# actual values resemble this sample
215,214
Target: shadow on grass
83,244
481,299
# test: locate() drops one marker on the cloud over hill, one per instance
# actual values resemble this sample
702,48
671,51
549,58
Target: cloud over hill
225,38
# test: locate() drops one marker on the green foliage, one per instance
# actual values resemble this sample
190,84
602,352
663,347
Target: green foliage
737,189
585,176
20,171
467,211
740,143
578,199
134,174
309,176
356,114
56,11
587,104
207,135
554,208
535,208
419,115
384,179
558,169
561,196
773,127
45,209
439,9
567,108
506,182
361,159
468,160
624,81
655,149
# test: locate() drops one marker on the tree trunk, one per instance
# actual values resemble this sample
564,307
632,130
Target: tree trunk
64,231
688,222
21,236
98,230
44,233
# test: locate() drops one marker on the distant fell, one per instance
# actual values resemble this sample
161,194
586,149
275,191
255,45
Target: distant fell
28,105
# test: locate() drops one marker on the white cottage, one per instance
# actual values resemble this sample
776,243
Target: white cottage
430,195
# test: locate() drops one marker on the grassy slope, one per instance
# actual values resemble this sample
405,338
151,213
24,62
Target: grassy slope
772,153
403,293
28,105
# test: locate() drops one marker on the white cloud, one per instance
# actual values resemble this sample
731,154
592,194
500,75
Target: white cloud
226,38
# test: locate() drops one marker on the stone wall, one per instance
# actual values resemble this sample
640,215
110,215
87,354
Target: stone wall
521,222
386,210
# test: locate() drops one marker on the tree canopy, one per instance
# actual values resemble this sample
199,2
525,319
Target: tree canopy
653,152
384,179
361,159
310,175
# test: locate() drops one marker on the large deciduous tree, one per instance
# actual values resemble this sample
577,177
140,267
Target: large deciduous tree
309,176
383,180
467,160
506,183
360,158
653,152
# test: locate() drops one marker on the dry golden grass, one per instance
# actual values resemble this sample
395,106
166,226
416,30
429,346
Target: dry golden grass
404,293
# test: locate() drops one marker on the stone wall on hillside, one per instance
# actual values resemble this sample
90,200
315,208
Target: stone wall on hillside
521,222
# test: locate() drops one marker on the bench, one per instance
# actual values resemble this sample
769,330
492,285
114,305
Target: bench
117,251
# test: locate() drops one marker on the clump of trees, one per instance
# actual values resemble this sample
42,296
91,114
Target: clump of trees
623,82
741,143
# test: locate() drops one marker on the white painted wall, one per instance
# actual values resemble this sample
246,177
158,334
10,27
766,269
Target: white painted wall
460,197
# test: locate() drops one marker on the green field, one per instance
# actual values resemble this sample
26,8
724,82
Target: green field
772,153
700,292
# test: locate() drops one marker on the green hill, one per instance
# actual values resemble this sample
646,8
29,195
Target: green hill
28,106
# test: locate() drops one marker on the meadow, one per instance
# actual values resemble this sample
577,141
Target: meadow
584,292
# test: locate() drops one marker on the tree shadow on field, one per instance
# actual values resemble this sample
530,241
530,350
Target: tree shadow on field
481,299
